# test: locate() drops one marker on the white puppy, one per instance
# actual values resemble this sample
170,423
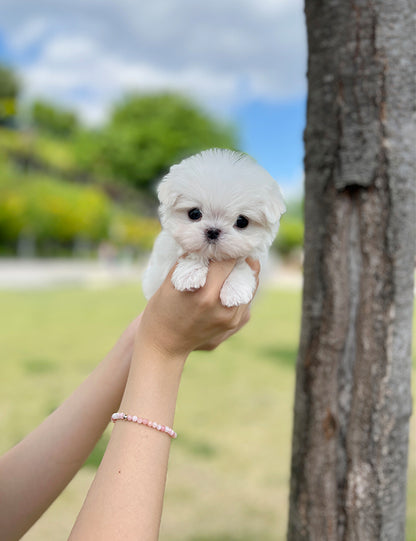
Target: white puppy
215,205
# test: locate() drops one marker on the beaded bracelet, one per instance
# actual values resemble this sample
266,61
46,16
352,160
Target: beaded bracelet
141,421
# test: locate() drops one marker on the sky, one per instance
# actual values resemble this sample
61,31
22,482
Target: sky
243,60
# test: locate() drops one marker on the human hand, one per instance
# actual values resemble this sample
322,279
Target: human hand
177,323
245,315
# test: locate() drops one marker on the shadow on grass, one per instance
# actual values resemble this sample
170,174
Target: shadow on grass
94,460
284,357
196,447
39,366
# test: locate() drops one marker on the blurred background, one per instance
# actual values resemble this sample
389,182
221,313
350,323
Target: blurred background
97,100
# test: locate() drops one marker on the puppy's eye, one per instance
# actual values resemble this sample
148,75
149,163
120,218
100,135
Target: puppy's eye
195,214
241,222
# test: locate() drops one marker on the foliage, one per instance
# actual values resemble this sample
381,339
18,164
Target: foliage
38,151
53,120
47,209
147,133
44,208
144,136
291,231
131,230
55,154
11,141
9,90
9,83
290,236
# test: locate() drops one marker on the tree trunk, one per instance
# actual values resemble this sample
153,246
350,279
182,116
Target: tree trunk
353,401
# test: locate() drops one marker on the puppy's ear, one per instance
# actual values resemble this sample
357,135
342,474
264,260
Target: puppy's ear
166,190
274,206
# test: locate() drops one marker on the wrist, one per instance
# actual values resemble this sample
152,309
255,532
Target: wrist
152,385
162,364
161,349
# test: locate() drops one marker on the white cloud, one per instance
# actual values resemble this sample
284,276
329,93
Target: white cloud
30,33
72,50
224,53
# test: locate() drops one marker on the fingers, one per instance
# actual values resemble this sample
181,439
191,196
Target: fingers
241,317
254,264
217,274
220,270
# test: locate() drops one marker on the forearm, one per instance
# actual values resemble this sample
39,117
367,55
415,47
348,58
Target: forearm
126,497
35,471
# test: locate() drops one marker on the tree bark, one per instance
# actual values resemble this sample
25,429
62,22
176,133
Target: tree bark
353,401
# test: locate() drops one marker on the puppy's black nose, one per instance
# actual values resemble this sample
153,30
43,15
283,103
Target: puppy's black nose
212,234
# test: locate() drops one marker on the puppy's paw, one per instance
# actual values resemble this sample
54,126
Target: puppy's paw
189,275
232,296
239,287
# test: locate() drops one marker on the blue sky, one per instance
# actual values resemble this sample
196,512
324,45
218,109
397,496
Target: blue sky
243,60
273,134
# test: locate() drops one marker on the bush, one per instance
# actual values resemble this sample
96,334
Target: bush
39,151
290,236
136,231
49,210
53,119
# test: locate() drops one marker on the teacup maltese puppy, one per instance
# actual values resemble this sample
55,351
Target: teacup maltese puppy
216,205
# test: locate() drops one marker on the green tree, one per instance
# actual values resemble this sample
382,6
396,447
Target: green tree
9,84
9,91
291,231
53,119
147,133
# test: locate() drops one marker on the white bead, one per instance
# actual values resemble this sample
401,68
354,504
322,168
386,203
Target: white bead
134,418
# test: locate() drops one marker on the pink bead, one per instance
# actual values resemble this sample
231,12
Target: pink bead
140,420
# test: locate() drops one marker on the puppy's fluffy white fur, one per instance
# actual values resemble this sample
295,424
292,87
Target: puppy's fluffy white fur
239,207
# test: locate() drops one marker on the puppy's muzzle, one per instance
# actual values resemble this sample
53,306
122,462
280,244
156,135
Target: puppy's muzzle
212,235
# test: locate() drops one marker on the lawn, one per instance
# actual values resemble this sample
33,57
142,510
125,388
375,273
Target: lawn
229,469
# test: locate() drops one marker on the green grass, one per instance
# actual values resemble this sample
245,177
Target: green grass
229,469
